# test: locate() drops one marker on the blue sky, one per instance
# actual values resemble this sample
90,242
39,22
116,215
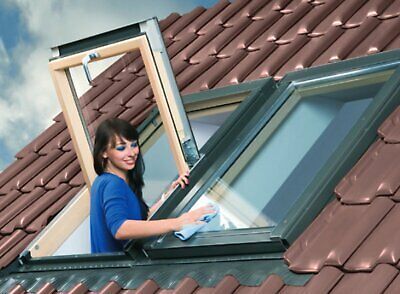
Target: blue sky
27,31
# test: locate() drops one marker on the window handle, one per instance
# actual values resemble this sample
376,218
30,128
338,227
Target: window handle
85,62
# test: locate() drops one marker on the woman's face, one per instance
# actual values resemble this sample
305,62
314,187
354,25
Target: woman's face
122,157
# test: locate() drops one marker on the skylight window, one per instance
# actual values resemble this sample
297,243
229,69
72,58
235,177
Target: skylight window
283,159
275,169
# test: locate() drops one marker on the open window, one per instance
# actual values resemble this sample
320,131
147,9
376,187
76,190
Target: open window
83,98
272,172
206,112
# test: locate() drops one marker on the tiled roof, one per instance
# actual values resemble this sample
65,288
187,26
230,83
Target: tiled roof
227,44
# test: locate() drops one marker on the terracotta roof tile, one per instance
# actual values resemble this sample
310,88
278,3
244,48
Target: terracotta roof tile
14,169
43,219
48,288
18,289
18,205
374,282
149,287
376,174
381,246
110,288
227,44
25,217
334,235
42,140
377,41
369,9
394,286
186,285
392,11
390,129
79,289
13,251
311,51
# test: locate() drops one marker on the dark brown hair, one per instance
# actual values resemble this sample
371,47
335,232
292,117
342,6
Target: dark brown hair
106,134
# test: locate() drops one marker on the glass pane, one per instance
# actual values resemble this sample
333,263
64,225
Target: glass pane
206,122
278,165
156,150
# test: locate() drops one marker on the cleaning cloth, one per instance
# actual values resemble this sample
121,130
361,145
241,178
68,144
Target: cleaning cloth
189,230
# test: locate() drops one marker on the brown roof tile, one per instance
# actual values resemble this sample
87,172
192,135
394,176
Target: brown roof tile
390,129
374,282
110,288
79,289
48,288
228,44
335,235
377,174
18,289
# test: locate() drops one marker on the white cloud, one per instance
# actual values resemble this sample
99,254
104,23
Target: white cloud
4,59
27,100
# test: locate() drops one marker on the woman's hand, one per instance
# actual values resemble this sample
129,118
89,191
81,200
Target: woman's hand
182,180
192,217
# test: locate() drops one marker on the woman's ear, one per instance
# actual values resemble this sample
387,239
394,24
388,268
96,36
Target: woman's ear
105,155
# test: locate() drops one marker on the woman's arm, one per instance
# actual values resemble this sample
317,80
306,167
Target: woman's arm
134,229
183,181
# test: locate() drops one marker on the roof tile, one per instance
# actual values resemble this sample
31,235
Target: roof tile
57,142
390,128
15,250
369,9
394,286
182,23
278,58
242,71
7,199
339,16
49,173
387,31
110,288
41,221
22,202
14,169
30,213
382,246
392,11
47,288
311,51
186,285
64,176
7,242
35,168
18,289
334,236
79,289
272,284
148,287
227,285
375,282
250,34
376,174
42,140
350,39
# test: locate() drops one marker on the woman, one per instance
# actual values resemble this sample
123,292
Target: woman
117,209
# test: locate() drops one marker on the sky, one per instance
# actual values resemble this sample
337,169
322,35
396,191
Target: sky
28,29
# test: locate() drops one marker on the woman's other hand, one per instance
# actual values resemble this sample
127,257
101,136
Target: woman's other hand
182,180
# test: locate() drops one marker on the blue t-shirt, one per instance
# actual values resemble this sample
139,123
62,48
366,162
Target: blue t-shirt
112,202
